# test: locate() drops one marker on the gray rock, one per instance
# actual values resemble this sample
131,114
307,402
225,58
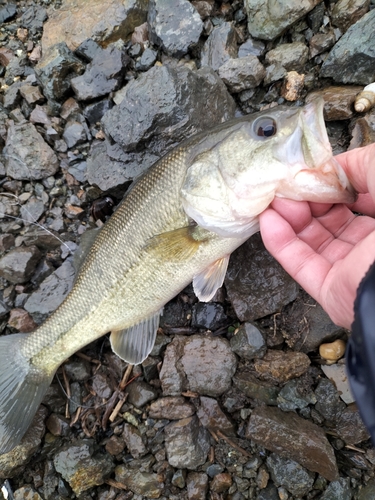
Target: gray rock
147,60
220,46
347,12
322,42
213,418
33,18
78,370
268,19
26,493
179,478
171,408
103,74
134,441
78,465
172,377
186,443
56,69
94,112
174,25
287,435
248,342
294,395
255,388
18,265
28,156
242,73
328,403
197,485
6,242
146,484
7,12
256,284
291,56
208,315
339,490
288,473
251,48
51,292
12,95
350,426
164,106
74,133
352,58
368,491
141,393
32,210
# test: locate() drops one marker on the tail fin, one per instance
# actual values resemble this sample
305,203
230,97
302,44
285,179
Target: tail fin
22,388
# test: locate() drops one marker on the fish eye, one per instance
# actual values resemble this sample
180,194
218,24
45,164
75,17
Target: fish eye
265,127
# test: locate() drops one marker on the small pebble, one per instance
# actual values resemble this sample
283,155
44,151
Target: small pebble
333,351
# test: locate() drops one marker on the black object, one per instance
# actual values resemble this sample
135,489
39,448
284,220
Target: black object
360,353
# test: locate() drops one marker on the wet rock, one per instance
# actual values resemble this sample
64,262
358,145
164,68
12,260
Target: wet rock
171,408
28,155
32,210
288,473
338,101
242,73
322,42
197,485
248,342
256,389
208,315
187,443
267,20
144,116
56,69
350,427
287,435
51,292
294,395
221,482
104,22
174,25
103,74
280,366
213,418
58,425
352,58
19,264
101,385
328,403
338,490
21,320
220,46
80,467
134,441
147,484
252,273
348,12
251,47
291,56
13,463
141,393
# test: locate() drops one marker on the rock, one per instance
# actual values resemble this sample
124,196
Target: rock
56,69
76,21
292,86
252,274
348,12
19,264
220,46
32,210
33,18
101,385
213,418
103,74
280,366
338,490
251,47
39,115
146,484
197,486
256,389
242,73
368,491
171,408
350,426
337,374
287,435
208,315
352,58
134,441
248,342
140,393
21,320
322,42
179,478
6,242
26,493
364,131
28,155
31,94
147,60
186,443
338,101
74,133
50,293
267,20
161,121
295,395
83,469
291,56
7,12
13,463
333,351
115,445
77,370
175,26
221,482
328,400
94,112
288,473
58,425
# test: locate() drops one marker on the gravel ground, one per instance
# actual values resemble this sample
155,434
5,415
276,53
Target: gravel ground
236,400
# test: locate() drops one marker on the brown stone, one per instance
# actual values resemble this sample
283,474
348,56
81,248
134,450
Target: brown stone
213,418
293,437
31,94
363,132
292,86
221,482
22,34
21,320
115,445
338,101
280,366
347,12
171,408
6,55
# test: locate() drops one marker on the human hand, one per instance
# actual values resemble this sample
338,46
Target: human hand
326,248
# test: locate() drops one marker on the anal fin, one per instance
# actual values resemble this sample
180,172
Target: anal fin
207,282
134,344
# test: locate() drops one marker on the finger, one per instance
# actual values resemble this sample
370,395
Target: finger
296,213
359,165
364,205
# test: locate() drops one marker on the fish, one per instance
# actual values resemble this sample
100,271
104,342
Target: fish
178,223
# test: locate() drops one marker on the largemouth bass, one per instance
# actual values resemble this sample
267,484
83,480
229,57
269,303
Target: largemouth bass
178,223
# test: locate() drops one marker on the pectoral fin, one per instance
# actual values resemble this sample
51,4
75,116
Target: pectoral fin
134,344
208,281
